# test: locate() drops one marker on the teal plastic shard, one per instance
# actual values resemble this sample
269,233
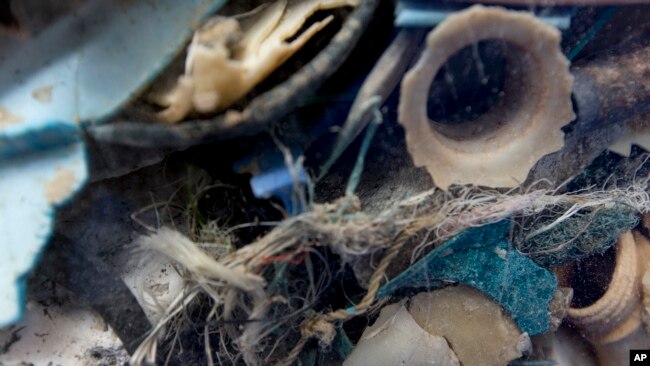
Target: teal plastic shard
484,259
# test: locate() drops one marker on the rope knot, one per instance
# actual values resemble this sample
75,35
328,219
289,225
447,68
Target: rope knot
320,329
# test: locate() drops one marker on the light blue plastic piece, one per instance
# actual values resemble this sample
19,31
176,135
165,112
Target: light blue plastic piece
82,68
79,70
279,183
268,184
413,13
30,188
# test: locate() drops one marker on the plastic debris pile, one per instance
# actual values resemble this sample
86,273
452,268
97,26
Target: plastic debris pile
324,182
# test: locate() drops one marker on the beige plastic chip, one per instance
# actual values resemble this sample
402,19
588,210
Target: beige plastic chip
228,57
500,147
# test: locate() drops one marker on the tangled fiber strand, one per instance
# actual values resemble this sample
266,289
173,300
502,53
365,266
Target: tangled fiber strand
579,236
473,207
239,291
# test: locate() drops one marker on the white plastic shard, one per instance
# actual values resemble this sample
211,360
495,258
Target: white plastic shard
565,347
61,332
499,148
396,339
154,281
228,57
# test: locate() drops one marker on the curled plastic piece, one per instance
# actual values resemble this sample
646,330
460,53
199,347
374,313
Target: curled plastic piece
614,323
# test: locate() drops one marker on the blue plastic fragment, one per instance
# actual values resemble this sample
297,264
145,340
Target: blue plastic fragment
421,13
271,176
268,183
342,344
278,183
484,259
79,70
31,187
84,67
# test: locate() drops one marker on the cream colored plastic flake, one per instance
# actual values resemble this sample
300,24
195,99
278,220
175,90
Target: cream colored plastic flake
228,57
396,339
500,147
477,329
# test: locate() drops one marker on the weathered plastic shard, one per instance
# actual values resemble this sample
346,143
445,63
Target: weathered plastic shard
49,84
228,57
499,148
484,259
31,188
476,327
62,76
396,339
564,347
